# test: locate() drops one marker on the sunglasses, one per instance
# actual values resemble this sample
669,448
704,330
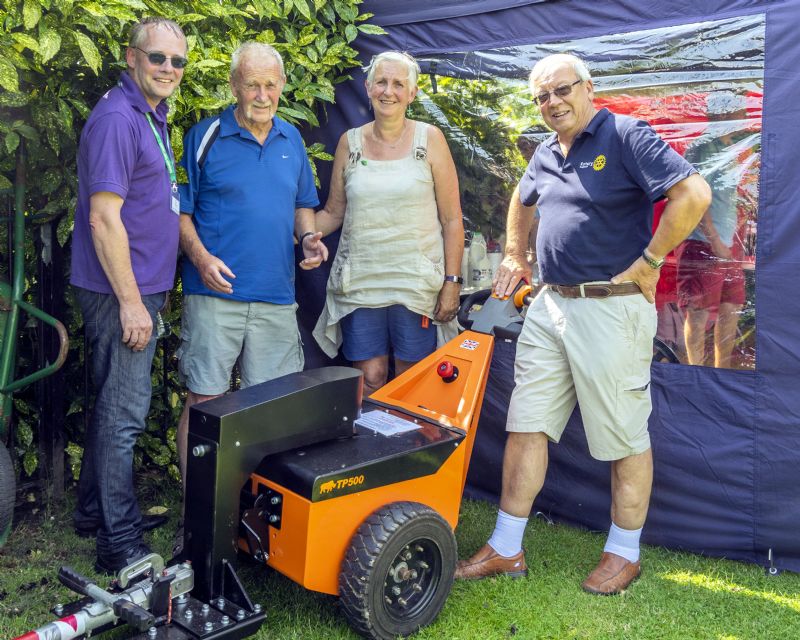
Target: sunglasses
562,92
158,59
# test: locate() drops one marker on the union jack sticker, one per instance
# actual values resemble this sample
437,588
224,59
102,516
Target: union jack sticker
469,345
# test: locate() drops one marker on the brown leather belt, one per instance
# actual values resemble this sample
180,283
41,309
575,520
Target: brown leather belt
595,290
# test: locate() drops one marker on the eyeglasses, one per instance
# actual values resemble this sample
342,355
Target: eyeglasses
178,62
562,92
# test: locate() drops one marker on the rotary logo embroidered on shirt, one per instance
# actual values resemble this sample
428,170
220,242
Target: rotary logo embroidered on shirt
599,163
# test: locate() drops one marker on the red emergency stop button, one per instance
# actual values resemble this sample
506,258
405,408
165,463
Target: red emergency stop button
447,371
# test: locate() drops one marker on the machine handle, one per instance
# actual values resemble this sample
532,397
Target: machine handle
473,298
81,584
74,580
134,615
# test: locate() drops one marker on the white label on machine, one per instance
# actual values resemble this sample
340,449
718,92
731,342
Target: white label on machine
470,345
385,423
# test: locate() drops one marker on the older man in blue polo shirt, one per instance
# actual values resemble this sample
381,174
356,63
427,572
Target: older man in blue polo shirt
588,335
123,262
250,194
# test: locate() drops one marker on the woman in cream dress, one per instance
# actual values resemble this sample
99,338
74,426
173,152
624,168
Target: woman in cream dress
394,192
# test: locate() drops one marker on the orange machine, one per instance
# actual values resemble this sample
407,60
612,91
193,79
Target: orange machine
350,498
329,489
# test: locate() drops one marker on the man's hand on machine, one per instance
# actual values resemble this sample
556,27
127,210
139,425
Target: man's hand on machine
512,269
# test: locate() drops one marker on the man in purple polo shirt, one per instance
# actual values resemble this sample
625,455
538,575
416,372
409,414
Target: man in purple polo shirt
588,336
124,249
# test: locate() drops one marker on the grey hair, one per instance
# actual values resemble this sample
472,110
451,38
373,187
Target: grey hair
578,66
393,56
256,48
140,31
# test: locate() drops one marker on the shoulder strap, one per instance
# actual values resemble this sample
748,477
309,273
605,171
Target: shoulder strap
205,144
421,141
354,142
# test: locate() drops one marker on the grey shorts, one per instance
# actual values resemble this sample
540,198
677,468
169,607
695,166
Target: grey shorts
216,333
593,351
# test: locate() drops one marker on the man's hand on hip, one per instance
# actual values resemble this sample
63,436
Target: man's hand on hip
642,274
512,269
137,325
212,270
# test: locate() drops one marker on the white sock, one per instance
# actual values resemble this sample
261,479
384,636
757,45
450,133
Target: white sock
507,536
623,542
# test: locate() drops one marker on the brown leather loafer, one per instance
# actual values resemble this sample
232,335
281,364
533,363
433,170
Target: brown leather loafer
612,575
487,562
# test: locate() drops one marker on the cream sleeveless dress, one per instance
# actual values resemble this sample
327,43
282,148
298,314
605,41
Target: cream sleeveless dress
391,249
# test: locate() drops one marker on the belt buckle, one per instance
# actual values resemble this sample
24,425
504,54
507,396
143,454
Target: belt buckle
596,290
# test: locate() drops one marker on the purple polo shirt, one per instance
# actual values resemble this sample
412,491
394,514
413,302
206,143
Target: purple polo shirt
119,153
595,206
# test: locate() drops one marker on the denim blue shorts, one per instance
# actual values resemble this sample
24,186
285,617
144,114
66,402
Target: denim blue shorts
368,333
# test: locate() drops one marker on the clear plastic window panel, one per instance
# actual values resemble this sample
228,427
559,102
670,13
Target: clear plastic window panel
701,87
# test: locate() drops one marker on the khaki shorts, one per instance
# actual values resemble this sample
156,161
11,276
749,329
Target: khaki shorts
216,332
593,351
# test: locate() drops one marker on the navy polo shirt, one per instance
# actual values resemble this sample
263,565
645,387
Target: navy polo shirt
243,201
595,206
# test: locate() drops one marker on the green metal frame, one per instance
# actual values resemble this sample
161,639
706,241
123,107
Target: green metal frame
11,302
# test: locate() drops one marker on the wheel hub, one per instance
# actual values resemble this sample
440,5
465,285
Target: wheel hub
412,579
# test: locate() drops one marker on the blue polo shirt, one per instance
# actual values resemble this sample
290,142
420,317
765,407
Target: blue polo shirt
595,206
243,201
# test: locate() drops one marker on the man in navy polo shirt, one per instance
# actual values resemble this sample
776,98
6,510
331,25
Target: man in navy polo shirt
588,335
123,262
250,194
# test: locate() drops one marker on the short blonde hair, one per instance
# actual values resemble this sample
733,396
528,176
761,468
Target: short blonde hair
394,56
140,32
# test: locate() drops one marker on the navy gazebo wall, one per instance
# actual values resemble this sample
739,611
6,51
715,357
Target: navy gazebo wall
726,443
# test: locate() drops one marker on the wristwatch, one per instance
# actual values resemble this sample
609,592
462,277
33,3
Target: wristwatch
457,279
651,261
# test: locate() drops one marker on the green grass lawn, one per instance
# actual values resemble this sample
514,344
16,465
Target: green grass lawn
679,596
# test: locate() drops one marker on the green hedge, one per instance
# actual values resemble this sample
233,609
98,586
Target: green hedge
57,57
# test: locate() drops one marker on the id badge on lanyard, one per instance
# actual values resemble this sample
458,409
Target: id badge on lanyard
174,197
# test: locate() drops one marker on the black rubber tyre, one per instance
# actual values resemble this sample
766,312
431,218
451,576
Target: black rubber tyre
7,493
398,571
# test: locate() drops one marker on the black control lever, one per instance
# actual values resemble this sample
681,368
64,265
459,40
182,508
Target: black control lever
134,615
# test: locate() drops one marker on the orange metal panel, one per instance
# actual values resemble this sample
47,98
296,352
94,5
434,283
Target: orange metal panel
421,391
314,537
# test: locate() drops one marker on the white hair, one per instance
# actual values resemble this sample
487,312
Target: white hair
257,49
394,56
578,65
